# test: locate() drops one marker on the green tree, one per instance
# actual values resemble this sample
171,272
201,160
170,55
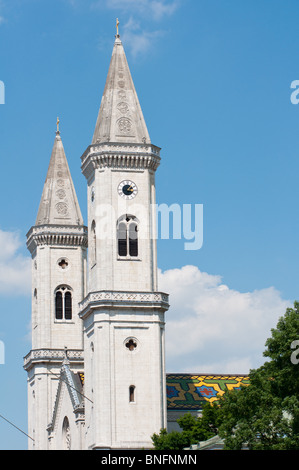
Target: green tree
254,417
261,416
265,414
174,440
193,430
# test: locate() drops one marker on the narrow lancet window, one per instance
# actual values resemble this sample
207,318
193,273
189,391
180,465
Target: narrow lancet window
58,306
68,306
63,303
133,239
131,393
122,239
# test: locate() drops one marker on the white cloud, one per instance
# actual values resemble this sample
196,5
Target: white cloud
2,19
153,9
211,328
15,268
138,40
135,39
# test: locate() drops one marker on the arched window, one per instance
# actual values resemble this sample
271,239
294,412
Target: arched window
66,434
93,241
63,303
127,236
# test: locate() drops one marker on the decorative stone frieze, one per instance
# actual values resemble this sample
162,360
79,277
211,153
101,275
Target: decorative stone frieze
56,235
125,299
120,156
52,355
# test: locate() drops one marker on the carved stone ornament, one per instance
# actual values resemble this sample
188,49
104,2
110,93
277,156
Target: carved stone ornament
124,125
123,107
122,94
52,355
158,298
62,208
61,193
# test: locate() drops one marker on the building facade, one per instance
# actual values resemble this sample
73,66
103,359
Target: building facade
96,370
97,313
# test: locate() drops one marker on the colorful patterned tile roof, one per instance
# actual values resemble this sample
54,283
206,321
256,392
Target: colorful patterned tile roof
189,392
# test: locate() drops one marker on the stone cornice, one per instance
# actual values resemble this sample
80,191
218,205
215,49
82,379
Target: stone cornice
65,235
120,156
36,356
158,300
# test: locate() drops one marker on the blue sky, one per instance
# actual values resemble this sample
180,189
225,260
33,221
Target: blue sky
213,78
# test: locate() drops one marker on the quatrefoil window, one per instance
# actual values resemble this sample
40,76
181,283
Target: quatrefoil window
63,263
131,345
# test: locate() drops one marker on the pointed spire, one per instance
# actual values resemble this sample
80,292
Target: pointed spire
120,117
59,204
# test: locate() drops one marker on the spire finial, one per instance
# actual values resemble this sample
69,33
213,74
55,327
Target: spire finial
57,123
117,24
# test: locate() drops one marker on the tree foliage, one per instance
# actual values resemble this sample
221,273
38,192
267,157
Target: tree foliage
193,430
261,416
265,415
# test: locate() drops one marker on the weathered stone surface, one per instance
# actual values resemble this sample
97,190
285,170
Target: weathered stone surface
120,117
59,204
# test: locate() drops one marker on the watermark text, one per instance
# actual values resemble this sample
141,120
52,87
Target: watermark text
2,92
156,221
2,352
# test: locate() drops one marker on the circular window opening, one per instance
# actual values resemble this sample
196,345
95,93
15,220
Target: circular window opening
131,344
63,263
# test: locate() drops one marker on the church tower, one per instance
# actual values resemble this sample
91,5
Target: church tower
57,243
123,312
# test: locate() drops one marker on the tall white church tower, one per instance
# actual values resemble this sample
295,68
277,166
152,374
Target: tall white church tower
58,244
99,317
123,313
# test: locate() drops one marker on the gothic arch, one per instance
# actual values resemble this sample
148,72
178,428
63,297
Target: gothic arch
66,434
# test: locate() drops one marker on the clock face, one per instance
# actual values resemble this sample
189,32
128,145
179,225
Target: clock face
127,189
